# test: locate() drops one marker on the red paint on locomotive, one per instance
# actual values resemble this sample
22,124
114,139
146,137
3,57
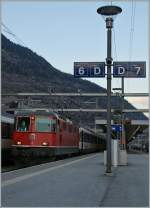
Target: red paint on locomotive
36,130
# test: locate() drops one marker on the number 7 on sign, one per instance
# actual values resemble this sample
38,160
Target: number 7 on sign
135,69
138,69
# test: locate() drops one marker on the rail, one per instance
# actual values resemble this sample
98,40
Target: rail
77,94
78,110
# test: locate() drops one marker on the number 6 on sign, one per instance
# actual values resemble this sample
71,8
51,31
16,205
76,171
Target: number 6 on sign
89,69
82,71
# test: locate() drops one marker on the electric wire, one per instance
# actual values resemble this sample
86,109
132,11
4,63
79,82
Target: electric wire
131,36
115,47
8,31
133,5
117,80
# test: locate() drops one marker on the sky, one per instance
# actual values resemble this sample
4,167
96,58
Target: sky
65,32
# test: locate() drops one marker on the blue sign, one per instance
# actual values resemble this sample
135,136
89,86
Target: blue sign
116,127
129,69
89,69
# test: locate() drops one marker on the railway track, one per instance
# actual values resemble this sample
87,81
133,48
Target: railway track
16,166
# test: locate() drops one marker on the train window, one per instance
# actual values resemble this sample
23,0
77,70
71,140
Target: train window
45,124
6,131
87,137
23,123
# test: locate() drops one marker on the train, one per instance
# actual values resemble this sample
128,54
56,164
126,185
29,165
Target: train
7,127
90,141
47,134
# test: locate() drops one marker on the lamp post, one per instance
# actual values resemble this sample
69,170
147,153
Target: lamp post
108,12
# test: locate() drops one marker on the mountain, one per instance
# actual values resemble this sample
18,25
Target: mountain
21,62
25,71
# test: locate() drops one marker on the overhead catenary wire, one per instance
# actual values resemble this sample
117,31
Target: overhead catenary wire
131,35
114,37
115,52
132,25
8,31
115,47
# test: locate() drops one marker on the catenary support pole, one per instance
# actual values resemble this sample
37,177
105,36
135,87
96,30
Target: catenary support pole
123,143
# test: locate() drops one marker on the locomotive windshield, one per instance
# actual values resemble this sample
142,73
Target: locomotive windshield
45,124
22,124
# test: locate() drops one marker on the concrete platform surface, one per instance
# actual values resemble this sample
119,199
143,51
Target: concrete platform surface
78,182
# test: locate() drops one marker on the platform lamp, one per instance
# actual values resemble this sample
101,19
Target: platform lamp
108,13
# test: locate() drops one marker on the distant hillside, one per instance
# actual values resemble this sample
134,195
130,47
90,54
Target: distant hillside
25,71
22,63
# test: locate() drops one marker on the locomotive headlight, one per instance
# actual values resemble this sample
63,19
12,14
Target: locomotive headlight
45,143
18,142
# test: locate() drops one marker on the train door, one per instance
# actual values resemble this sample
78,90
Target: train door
59,132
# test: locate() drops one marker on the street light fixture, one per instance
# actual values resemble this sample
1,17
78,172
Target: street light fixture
109,10
108,13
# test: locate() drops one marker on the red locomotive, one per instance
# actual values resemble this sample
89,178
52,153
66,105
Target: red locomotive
44,134
39,134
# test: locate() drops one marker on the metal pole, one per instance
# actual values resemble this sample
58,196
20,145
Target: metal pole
123,132
109,25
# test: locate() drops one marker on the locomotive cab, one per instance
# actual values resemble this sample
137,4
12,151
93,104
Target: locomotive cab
35,130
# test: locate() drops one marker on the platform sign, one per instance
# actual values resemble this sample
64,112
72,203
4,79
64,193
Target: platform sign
89,69
129,69
116,127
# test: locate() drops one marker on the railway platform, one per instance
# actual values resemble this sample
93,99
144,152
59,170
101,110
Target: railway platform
78,182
